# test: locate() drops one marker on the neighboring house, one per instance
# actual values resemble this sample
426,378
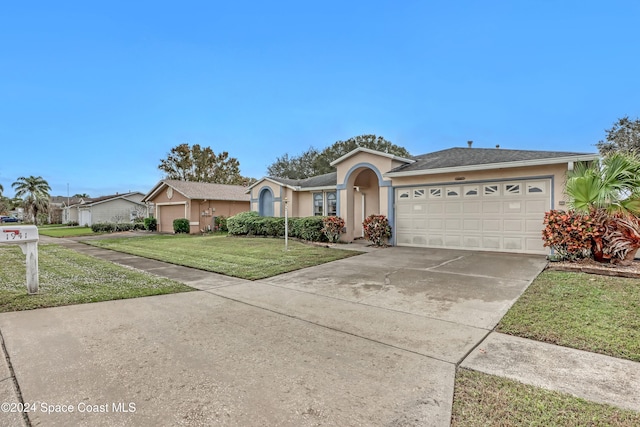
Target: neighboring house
200,202
459,198
57,208
114,208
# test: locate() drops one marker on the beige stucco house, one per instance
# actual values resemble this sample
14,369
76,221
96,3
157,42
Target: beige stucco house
199,202
459,198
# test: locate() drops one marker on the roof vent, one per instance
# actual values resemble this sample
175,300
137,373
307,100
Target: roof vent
469,143
498,146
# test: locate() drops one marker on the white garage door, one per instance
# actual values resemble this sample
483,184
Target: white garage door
503,216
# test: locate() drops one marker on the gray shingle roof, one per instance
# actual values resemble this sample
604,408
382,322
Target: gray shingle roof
205,190
456,157
327,180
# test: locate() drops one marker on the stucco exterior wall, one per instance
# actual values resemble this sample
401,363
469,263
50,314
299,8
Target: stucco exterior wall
110,211
201,214
296,200
305,203
383,164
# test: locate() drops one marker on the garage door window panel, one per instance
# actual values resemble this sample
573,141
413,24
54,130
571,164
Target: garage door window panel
491,190
435,193
471,191
453,192
512,189
538,188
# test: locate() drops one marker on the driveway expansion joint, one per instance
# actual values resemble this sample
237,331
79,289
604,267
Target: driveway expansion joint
212,292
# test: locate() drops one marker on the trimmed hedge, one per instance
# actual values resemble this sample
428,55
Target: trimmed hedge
252,224
112,227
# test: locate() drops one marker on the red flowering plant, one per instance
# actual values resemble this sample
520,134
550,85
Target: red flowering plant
571,234
377,229
332,228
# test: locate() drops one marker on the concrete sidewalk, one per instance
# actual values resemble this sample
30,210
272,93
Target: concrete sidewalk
591,376
285,351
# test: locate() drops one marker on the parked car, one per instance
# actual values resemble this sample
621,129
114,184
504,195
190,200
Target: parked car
9,219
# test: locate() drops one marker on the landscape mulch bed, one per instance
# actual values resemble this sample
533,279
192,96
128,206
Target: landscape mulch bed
592,267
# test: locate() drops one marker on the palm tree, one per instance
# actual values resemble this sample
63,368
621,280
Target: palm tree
35,191
609,191
612,184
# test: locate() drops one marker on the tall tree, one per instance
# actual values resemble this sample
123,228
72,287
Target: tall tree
82,195
299,167
313,162
624,137
35,191
195,163
340,148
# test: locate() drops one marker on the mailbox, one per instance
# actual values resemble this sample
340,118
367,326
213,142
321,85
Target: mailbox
19,234
27,237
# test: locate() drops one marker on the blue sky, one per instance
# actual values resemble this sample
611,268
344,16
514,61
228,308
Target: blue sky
94,94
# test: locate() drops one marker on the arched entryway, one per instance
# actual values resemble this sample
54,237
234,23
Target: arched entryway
265,202
363,199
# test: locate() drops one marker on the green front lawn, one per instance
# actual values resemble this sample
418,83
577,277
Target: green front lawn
68,277
589,312
247,258
487,400
65,231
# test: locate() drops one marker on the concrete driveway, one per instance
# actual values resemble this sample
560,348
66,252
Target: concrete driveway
370,340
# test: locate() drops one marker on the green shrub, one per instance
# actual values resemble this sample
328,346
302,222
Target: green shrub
72,224
151,224
181,225
295,228
242,223
273,226
139,225
103,227
252,224
311,229
123,226
220,223
377,229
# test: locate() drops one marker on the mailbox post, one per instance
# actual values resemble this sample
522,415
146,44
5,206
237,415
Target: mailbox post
27,237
